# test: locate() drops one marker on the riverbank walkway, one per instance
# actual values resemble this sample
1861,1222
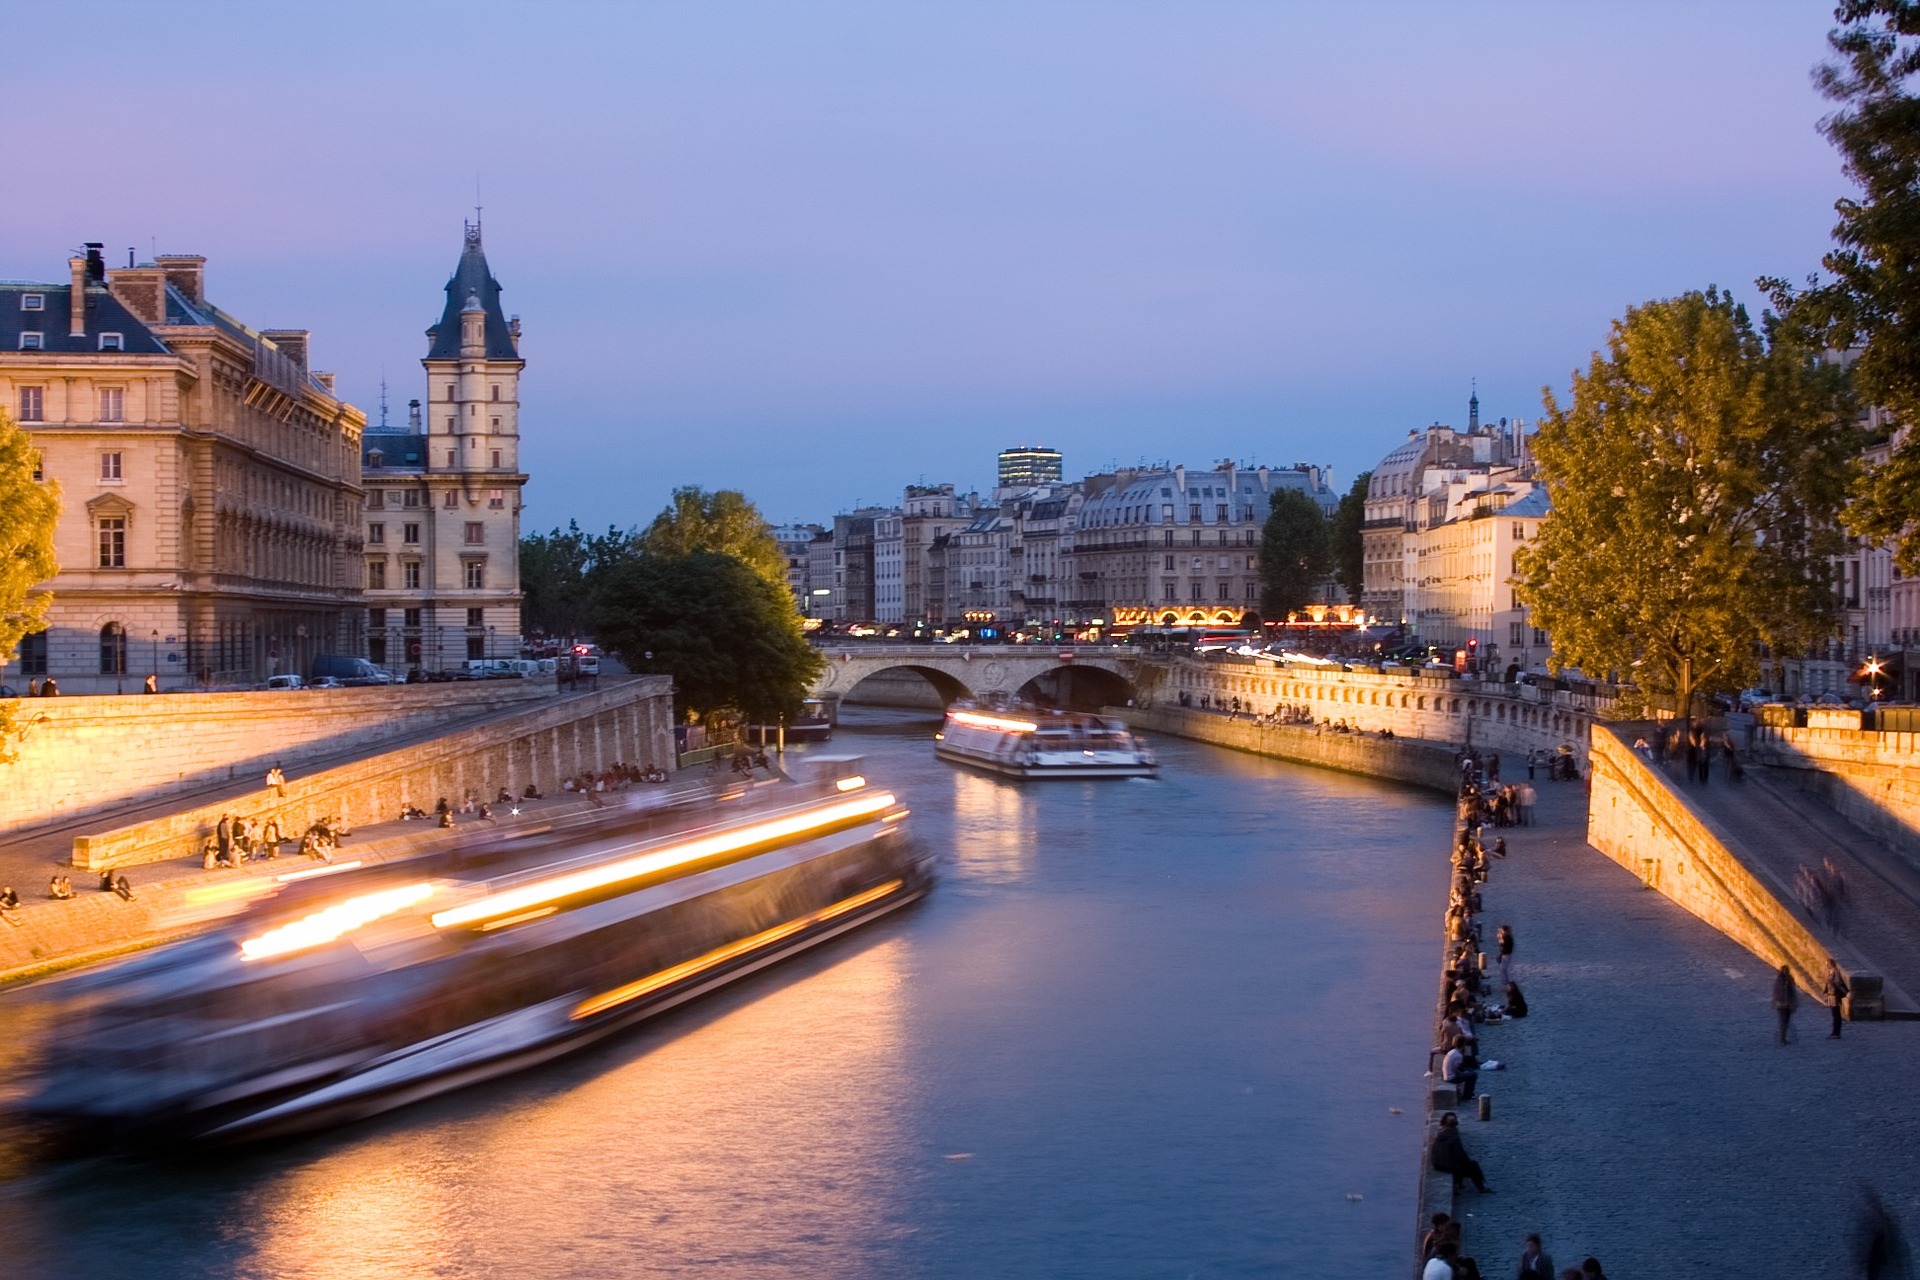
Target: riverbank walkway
1645,1115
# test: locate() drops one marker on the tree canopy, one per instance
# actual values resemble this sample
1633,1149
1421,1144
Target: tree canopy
722,521
1344,535
28,510
1295,554
729,638
561,574
1695,482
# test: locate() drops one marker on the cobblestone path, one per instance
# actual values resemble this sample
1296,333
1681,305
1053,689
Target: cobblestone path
1645,1115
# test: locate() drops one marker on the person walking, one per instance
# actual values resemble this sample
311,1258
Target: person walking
1786,998
277,781
1837,992
1503,936
1534,1263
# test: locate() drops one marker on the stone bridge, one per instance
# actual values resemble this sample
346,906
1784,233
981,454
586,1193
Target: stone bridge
1085,677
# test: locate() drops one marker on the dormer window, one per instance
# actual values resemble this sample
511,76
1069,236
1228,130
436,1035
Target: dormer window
31,340
112,342
33,302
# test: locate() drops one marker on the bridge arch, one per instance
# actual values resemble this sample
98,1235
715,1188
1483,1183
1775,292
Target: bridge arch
944,686
1077,688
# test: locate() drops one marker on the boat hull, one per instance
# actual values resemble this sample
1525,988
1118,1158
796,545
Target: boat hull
1016,769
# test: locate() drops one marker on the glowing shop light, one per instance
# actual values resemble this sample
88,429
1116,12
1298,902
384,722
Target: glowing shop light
328,923
542,892
1001,723
853,783
733,950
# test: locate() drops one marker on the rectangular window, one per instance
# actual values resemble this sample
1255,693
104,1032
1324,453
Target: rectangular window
476,533
1516,634
112,342
1225,593
496,498
1253,562
1253,592
376,499
496,459
113,404
33,302
476,648
449,427
476,617
1193,513
452,500
1223,562
376,575
113,542
39,468
377,619
1168,590
476,575
377,650
1539,636
110,466
376,533
33,404
496,456
412,498
1168,566
412,617
410,533
1519,532
30,340
1220,513
410,575
1197,535
33,654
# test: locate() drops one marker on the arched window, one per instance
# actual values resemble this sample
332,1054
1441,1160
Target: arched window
113,650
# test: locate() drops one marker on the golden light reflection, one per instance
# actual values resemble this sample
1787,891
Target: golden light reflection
992,836
1001,723
541,892
329,923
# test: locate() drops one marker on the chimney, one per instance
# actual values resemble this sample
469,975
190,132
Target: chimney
186,272
325,380
292,344
413,416
96,262
77,308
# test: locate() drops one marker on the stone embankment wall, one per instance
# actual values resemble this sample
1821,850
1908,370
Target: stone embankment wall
1436,706
629,720
1422,764
74,756
1871,779
1639,819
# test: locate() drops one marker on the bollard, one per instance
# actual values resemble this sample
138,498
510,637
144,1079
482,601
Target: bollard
1486,1107
1482,957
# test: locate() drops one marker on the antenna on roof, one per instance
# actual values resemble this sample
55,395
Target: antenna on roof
383,398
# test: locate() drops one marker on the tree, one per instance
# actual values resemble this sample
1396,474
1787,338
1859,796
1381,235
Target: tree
561,574
1873,300
723,521
28,510
1695,482
729,638
1344,534
1294,553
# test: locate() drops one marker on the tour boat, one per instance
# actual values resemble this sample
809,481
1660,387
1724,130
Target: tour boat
1025,742
347,995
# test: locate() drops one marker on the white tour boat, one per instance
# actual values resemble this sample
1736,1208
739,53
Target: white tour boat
1026,742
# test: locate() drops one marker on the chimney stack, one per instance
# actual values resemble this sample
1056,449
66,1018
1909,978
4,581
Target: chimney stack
292,344
77,301
186,272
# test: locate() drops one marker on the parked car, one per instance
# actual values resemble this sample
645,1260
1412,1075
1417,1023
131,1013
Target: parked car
284,682
325,682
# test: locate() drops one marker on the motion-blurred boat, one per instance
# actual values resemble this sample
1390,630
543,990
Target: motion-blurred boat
1018,741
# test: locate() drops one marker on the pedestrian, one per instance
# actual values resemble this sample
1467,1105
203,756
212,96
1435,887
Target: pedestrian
1837,991
1880,1249
33,687
1534,1263
223,839
51,689
1786,997
1450,1155
153,684
277,781
1503,936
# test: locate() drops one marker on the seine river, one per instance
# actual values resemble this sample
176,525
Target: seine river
1141,1028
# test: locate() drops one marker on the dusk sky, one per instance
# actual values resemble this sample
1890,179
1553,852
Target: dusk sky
819,251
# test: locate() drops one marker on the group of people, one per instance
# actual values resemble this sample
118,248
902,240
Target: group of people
60,888
1823,893
744,761
1700,747
48,688
1442,1259
235,841
1786,998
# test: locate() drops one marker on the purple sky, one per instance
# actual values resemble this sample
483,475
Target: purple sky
819,251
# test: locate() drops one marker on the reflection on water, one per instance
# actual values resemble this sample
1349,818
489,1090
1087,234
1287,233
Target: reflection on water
1140,1029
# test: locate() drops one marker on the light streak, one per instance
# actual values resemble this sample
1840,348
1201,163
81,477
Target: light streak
852,783
1001,723
329,923
541,892
332,870
733,950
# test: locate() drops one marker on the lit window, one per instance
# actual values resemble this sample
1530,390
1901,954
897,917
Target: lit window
30,340
33,302
112,342
33,404
110,466
113,404
496,498
113,542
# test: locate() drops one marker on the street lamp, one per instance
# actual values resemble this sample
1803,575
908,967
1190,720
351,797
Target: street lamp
155,668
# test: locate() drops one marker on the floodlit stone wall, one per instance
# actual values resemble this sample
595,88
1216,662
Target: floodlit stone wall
74,756
1871,779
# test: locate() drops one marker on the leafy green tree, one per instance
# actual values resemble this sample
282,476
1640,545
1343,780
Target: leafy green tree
1695,482
722,521
561,574
1295,554
1873,300
1344,535
28,510
730,639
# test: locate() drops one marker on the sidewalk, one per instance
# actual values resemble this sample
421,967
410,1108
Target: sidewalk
1645,1115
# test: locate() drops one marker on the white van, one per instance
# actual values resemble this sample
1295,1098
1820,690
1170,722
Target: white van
284,682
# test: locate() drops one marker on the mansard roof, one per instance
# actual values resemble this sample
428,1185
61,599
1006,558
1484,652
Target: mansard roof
105,314
472,279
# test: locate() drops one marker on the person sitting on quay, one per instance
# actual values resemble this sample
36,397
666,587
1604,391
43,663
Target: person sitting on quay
1516,1003
1430,1242
505,797
446,817
59,888
486,813
209,854
1441,1265
123,888
1450,1155
9,900
532,793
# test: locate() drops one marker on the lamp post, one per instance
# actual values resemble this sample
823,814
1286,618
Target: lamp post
155,668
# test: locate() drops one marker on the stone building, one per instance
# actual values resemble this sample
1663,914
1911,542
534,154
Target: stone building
1461,552
1173,547
929,512
210,519
442,541
794,541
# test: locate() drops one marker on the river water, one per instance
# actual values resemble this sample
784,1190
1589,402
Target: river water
1141,1028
